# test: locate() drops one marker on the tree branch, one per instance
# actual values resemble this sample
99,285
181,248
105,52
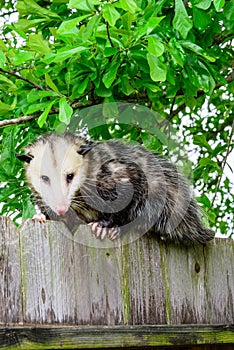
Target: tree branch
219,38
16,121
38,87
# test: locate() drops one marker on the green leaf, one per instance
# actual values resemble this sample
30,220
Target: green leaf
110,51
63,55
128,5
111,73
125,86
28,208
24,24
90,28
102,91
84,5
204,200
35,95
201,77
201,19
181,21
70,26
110,111
21,57
150,25
127,20
219,4
152,87
42,119
2,59
38,44
158,70
27,7
177,52
5,108
7,84
110,14
65,111
50,83
151,142
35,107
140,57
155,47
82,86
219,149
201,141
160,136
228,12
197,49
202,4
207,162
212,217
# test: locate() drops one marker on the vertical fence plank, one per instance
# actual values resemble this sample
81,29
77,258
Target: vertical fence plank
185,280
47,273
10,292
219,262
97,280
143,275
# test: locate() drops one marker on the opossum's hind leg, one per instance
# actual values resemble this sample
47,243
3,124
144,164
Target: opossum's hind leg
101,230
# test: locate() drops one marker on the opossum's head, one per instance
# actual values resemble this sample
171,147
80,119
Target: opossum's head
55,169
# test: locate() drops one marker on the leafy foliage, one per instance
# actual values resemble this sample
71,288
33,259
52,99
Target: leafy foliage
58,57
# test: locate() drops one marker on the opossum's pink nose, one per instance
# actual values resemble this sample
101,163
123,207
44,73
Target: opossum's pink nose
61,210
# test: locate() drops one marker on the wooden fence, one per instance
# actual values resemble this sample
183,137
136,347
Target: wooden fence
74,291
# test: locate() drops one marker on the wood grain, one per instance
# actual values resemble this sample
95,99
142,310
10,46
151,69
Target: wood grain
10,274
49,276
119,337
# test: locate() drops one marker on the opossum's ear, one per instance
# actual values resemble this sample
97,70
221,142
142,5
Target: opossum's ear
85,149
25,157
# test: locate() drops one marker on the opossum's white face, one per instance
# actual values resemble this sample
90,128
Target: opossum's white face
55,172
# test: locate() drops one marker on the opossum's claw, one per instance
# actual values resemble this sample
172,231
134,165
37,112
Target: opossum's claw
98,230
39,217
113,233
102,232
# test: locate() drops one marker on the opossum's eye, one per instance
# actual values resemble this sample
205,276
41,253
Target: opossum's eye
45,179
69,178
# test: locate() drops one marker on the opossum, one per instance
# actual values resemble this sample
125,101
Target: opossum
113,186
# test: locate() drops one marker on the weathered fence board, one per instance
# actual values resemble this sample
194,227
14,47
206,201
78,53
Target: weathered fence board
50,277
10,282
118,337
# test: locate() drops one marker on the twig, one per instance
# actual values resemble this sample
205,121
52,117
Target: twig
220,128
108,34
223,166
229,78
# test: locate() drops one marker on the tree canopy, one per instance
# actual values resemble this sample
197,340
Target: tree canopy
59,57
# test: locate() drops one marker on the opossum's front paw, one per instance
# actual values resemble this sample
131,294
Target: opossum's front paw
101,231
39,217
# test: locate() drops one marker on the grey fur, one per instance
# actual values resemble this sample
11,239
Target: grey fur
128,188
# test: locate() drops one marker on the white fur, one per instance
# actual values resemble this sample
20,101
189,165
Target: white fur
55,162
